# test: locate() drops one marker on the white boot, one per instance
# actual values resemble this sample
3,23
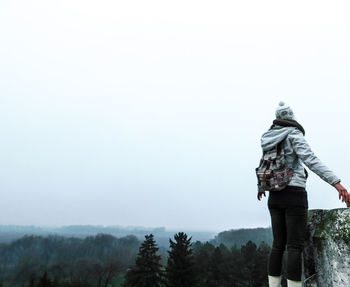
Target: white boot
292,283
275,281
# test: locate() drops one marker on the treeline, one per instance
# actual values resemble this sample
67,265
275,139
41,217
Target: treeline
200,265
242,236
66,261
106,261
9,233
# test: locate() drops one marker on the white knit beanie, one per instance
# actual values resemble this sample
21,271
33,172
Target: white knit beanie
284,111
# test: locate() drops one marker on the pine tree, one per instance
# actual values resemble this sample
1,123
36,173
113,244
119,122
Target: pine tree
260,263
180,270
215,275
236,266
44,281
147,271
248,252
202,262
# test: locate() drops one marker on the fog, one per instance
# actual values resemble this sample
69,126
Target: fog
149,113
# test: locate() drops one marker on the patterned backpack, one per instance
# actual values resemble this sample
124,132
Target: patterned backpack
273,173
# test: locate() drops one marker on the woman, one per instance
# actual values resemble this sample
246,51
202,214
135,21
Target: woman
288,207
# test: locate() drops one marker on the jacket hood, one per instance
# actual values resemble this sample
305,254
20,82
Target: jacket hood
274,136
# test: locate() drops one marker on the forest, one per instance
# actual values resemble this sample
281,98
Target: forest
107,261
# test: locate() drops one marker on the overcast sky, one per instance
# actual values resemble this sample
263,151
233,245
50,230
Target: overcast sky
150,113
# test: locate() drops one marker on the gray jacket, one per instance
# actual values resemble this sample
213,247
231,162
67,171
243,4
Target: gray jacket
297,151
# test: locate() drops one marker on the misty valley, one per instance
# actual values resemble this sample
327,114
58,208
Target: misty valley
85,256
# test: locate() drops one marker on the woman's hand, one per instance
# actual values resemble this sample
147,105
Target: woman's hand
260,194
343,193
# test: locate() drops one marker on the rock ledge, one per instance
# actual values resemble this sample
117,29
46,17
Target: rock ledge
327,248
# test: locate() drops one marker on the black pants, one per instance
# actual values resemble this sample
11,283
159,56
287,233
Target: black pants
288,210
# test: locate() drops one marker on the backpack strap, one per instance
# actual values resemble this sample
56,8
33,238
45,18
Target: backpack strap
280,146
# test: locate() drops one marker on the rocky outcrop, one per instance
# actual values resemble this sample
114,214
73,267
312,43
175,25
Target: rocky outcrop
327,248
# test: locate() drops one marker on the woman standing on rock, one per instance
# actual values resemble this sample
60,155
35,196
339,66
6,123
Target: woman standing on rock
288,207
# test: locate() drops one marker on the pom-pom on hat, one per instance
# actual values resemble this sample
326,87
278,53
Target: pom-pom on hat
284,111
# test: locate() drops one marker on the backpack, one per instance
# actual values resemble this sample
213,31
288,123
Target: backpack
273,173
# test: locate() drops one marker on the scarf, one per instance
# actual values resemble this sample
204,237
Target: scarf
288,123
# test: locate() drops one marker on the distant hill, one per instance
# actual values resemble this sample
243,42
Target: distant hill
9,233
242,236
